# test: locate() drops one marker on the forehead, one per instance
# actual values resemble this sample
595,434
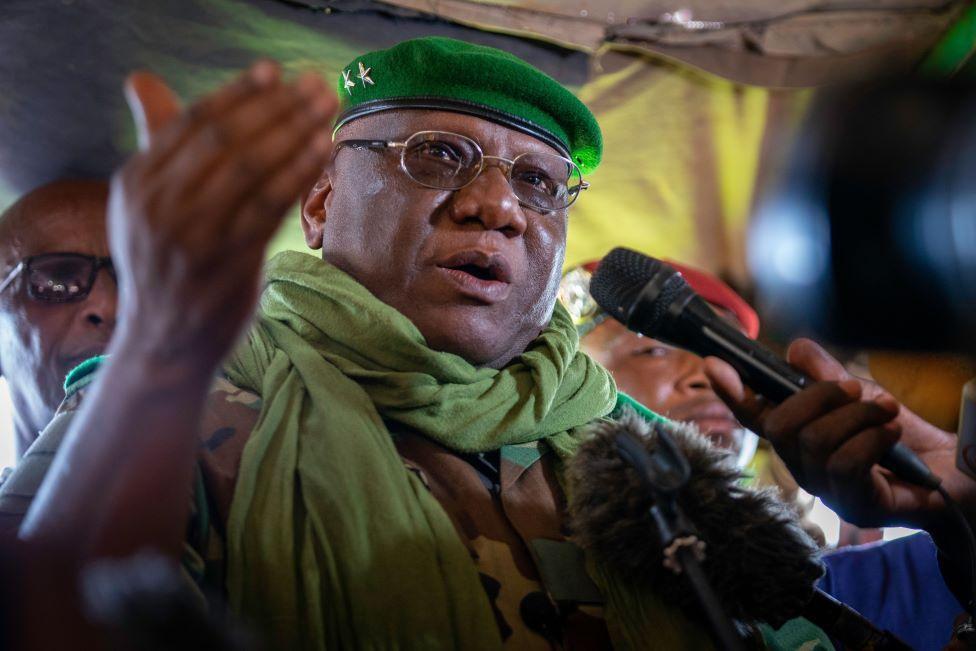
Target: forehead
495,139
64,220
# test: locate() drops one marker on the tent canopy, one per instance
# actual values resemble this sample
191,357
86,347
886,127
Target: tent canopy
693,98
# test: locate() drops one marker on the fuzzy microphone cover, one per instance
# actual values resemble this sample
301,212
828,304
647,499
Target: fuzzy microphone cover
760,562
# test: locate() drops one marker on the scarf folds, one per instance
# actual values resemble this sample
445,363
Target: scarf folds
331,542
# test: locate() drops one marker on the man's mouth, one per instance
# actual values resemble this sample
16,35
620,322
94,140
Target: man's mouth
710,416
481,275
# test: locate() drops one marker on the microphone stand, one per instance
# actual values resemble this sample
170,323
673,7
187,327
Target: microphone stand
663,474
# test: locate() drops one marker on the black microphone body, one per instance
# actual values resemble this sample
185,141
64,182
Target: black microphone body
653,299
691,324
849,626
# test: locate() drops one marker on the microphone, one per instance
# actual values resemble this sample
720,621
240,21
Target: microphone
761,565
652,298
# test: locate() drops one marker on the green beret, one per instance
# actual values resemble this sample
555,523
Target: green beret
445,74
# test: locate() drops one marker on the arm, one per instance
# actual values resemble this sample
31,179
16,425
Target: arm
132,444
189,220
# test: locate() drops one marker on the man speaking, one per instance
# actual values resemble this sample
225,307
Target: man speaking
381,455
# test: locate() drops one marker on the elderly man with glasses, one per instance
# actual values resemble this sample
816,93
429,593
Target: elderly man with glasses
57,295
379,461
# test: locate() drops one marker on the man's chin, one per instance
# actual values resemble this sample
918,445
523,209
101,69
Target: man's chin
68,362
479,353
720,431
724,440
480,343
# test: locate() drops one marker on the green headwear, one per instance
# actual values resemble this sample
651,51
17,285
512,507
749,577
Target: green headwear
445,74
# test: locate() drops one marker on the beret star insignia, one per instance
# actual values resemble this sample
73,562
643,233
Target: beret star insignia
364,75
347,83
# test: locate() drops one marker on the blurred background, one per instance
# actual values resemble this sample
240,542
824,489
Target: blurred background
699,102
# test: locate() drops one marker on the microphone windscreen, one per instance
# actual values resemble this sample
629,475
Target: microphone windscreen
761,564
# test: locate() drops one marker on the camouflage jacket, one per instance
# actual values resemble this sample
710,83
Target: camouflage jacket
507,507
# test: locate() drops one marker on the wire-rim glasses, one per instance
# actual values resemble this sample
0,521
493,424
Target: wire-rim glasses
449,161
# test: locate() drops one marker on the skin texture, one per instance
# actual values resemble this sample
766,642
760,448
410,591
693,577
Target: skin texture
668,380
41,342
393,235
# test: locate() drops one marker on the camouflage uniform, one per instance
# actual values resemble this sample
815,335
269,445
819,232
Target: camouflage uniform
506,507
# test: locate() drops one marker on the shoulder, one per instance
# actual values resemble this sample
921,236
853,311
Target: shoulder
22,482
230,411
229,417
915,552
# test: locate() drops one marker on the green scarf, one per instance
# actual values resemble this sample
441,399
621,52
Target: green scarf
331,542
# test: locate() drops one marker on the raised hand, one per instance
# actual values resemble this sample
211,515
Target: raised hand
190,217
192,213
833,433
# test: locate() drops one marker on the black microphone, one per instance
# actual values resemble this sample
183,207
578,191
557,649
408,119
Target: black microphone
653,298
760,564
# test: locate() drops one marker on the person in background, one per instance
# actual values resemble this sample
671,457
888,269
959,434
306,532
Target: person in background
671,381
57,295
668,380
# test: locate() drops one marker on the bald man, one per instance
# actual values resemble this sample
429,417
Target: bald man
57,295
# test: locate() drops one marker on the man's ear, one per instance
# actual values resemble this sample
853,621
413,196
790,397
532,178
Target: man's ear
315,206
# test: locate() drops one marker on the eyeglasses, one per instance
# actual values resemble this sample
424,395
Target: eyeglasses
449,161
59,277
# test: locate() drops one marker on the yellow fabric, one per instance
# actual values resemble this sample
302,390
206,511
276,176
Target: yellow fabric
681,160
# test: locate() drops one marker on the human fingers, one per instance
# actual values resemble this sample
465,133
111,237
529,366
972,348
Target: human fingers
260,215
749,408
152,103
808,405
809,357
248,184
230,137
260,77
782,423
809,450
854,483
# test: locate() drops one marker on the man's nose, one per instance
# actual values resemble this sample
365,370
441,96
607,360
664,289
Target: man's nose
490,200
692,374
100,305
